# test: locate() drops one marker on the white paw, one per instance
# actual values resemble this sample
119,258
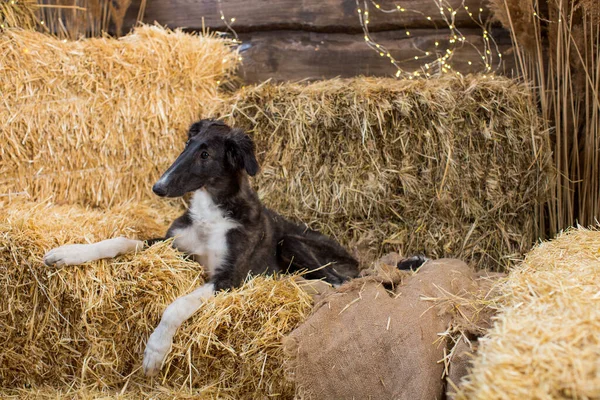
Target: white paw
70,254
157,348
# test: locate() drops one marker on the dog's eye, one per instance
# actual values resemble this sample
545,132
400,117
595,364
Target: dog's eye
188,142
204,155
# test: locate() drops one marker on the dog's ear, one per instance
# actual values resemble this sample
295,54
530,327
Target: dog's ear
239,152
195,128
203,124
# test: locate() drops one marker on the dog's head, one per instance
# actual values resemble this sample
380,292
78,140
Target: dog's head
214,155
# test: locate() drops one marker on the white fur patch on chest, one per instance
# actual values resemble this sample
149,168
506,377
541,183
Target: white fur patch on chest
206,237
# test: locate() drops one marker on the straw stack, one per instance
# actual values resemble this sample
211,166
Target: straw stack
546,341
453,167
18,14
95,121
85,327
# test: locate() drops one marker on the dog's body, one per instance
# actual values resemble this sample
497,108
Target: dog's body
226,228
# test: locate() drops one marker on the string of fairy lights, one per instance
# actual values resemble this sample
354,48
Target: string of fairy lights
437,60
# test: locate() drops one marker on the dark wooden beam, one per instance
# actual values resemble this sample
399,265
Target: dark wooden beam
307,15
295,55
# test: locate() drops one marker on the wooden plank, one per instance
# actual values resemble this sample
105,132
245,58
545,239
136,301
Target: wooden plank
308,15
295,55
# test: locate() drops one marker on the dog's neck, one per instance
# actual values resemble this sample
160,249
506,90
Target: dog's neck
236,198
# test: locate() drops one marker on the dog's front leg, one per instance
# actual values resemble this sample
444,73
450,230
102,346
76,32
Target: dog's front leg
180,310
74,254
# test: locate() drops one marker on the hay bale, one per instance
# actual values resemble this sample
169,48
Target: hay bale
454,167
18,14
86,326
545,343
95,121
134,391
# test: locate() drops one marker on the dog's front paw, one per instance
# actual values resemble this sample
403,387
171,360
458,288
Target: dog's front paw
70,254
157,348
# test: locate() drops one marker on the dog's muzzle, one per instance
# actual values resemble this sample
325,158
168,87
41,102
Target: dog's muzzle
159,189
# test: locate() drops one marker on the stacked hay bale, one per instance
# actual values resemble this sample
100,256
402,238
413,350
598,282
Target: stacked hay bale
108,117
545,342
94,121
21,14
452,167
449,167
87,326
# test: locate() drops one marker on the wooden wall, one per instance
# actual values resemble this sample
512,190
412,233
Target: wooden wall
314,39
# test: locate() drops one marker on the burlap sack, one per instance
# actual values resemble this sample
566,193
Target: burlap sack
369,341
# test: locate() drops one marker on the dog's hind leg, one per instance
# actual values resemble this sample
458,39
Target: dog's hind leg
74,254
319,257
176,313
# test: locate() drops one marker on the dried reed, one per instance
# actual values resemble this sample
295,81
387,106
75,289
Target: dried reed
545,342
83,329
557,45
73,19
450,167
21,14
95,121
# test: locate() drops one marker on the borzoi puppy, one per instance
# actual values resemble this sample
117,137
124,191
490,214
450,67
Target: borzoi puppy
226,229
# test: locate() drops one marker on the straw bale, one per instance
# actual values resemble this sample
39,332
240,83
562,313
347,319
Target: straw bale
545,343
19,14
95,121
134,391
454,167
86,326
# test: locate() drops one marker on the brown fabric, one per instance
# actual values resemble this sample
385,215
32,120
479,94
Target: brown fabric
459,363
367,342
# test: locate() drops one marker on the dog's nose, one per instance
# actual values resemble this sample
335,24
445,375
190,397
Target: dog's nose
159,189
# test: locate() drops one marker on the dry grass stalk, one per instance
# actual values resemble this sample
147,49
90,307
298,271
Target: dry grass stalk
452,167
21,14
118,9
83,329
95,121
557,44
545,342
73,19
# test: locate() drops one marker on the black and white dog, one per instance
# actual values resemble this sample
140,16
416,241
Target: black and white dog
226,229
